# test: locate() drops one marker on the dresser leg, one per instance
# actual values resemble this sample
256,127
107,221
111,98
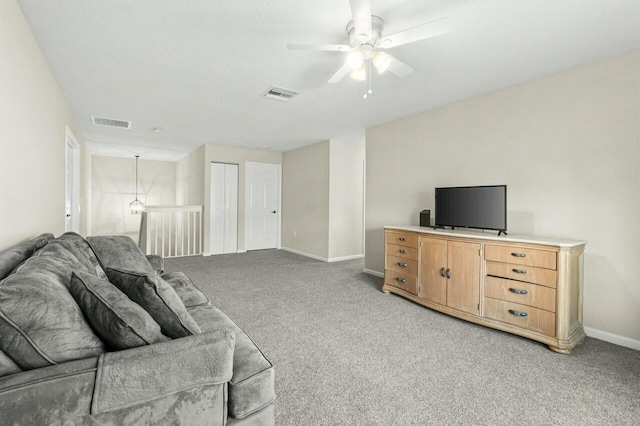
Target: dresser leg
384,290
560,350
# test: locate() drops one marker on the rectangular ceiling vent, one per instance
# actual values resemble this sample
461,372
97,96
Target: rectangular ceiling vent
110,122
279,93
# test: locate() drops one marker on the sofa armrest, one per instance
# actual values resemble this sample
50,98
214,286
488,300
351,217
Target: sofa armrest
116,380
138,375
157,263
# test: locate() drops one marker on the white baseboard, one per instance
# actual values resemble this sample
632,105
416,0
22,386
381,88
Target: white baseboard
340,259
241,251
372,272
204,254
613,338
301,253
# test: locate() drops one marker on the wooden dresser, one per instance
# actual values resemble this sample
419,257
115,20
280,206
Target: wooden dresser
520,284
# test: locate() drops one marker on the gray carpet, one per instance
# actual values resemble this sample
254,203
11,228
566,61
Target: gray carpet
347,354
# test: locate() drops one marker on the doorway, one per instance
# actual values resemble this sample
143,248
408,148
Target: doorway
224,208
262,218
72,183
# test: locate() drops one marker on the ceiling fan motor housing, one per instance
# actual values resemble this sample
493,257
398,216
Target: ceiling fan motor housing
377,25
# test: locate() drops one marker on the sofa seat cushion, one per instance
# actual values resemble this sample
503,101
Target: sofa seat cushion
120,252
40,322
14,256
120,322
158,298
252,385
186,289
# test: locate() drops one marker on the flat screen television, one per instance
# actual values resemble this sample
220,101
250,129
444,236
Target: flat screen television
480,207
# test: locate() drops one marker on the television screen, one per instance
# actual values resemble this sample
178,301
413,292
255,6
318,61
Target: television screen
482,207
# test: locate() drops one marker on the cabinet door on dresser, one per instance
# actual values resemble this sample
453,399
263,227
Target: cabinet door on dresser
463,290
433,266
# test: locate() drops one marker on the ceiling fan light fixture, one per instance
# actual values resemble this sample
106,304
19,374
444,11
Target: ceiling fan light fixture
355,59
359,74
381,61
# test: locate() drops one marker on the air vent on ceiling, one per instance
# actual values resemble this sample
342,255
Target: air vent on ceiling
279,93
111,122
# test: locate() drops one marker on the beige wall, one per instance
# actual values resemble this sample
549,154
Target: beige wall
567,146
322,200
305,200
113,188
232,155
32,137
346,199
190,179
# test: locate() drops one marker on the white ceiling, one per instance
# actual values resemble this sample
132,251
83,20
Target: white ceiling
197,68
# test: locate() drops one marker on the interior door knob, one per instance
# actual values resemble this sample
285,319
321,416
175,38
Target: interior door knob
273,212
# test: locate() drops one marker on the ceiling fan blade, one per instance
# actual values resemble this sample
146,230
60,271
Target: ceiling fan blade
399,68
361,12
321,47
421,32
339,75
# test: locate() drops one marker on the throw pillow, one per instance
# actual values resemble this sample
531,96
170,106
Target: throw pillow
158,298
121,323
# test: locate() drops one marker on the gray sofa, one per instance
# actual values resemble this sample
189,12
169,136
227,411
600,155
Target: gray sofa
55,369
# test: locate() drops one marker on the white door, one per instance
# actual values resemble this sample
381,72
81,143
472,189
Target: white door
262,206
224,208
72,184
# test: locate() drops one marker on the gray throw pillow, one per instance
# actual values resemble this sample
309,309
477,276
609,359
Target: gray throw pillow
158,298
121,323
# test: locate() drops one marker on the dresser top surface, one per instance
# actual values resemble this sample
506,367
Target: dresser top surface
466,233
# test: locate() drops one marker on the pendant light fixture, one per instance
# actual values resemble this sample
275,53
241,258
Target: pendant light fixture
136,205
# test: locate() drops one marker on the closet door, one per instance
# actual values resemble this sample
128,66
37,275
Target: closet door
224,208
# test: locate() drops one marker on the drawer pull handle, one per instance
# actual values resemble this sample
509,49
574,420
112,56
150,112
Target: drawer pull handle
401,280
402,251
518,255
402,265
518,291
442,272
519,271
449,273
402,239
517,313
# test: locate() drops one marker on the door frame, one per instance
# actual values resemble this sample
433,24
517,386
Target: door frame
71,144
247,164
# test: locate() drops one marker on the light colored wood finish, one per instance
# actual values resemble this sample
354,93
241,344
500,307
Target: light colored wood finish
402,239
535,319
530,274
536,296
402,251
433,262
400,280
463,288
561,330
520,255
397,264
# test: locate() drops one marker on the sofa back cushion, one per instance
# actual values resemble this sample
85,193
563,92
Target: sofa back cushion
120,252
40,322
120,322
14,256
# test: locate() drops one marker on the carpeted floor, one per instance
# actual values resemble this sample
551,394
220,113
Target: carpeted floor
347,354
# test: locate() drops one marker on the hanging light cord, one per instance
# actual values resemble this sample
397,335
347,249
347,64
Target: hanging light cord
137,177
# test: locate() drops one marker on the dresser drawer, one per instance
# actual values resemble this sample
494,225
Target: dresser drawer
401,239
521,315
402,251
403,265
518,292
400,280
530,274
520,256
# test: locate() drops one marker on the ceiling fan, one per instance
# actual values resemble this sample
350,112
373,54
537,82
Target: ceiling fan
367,44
